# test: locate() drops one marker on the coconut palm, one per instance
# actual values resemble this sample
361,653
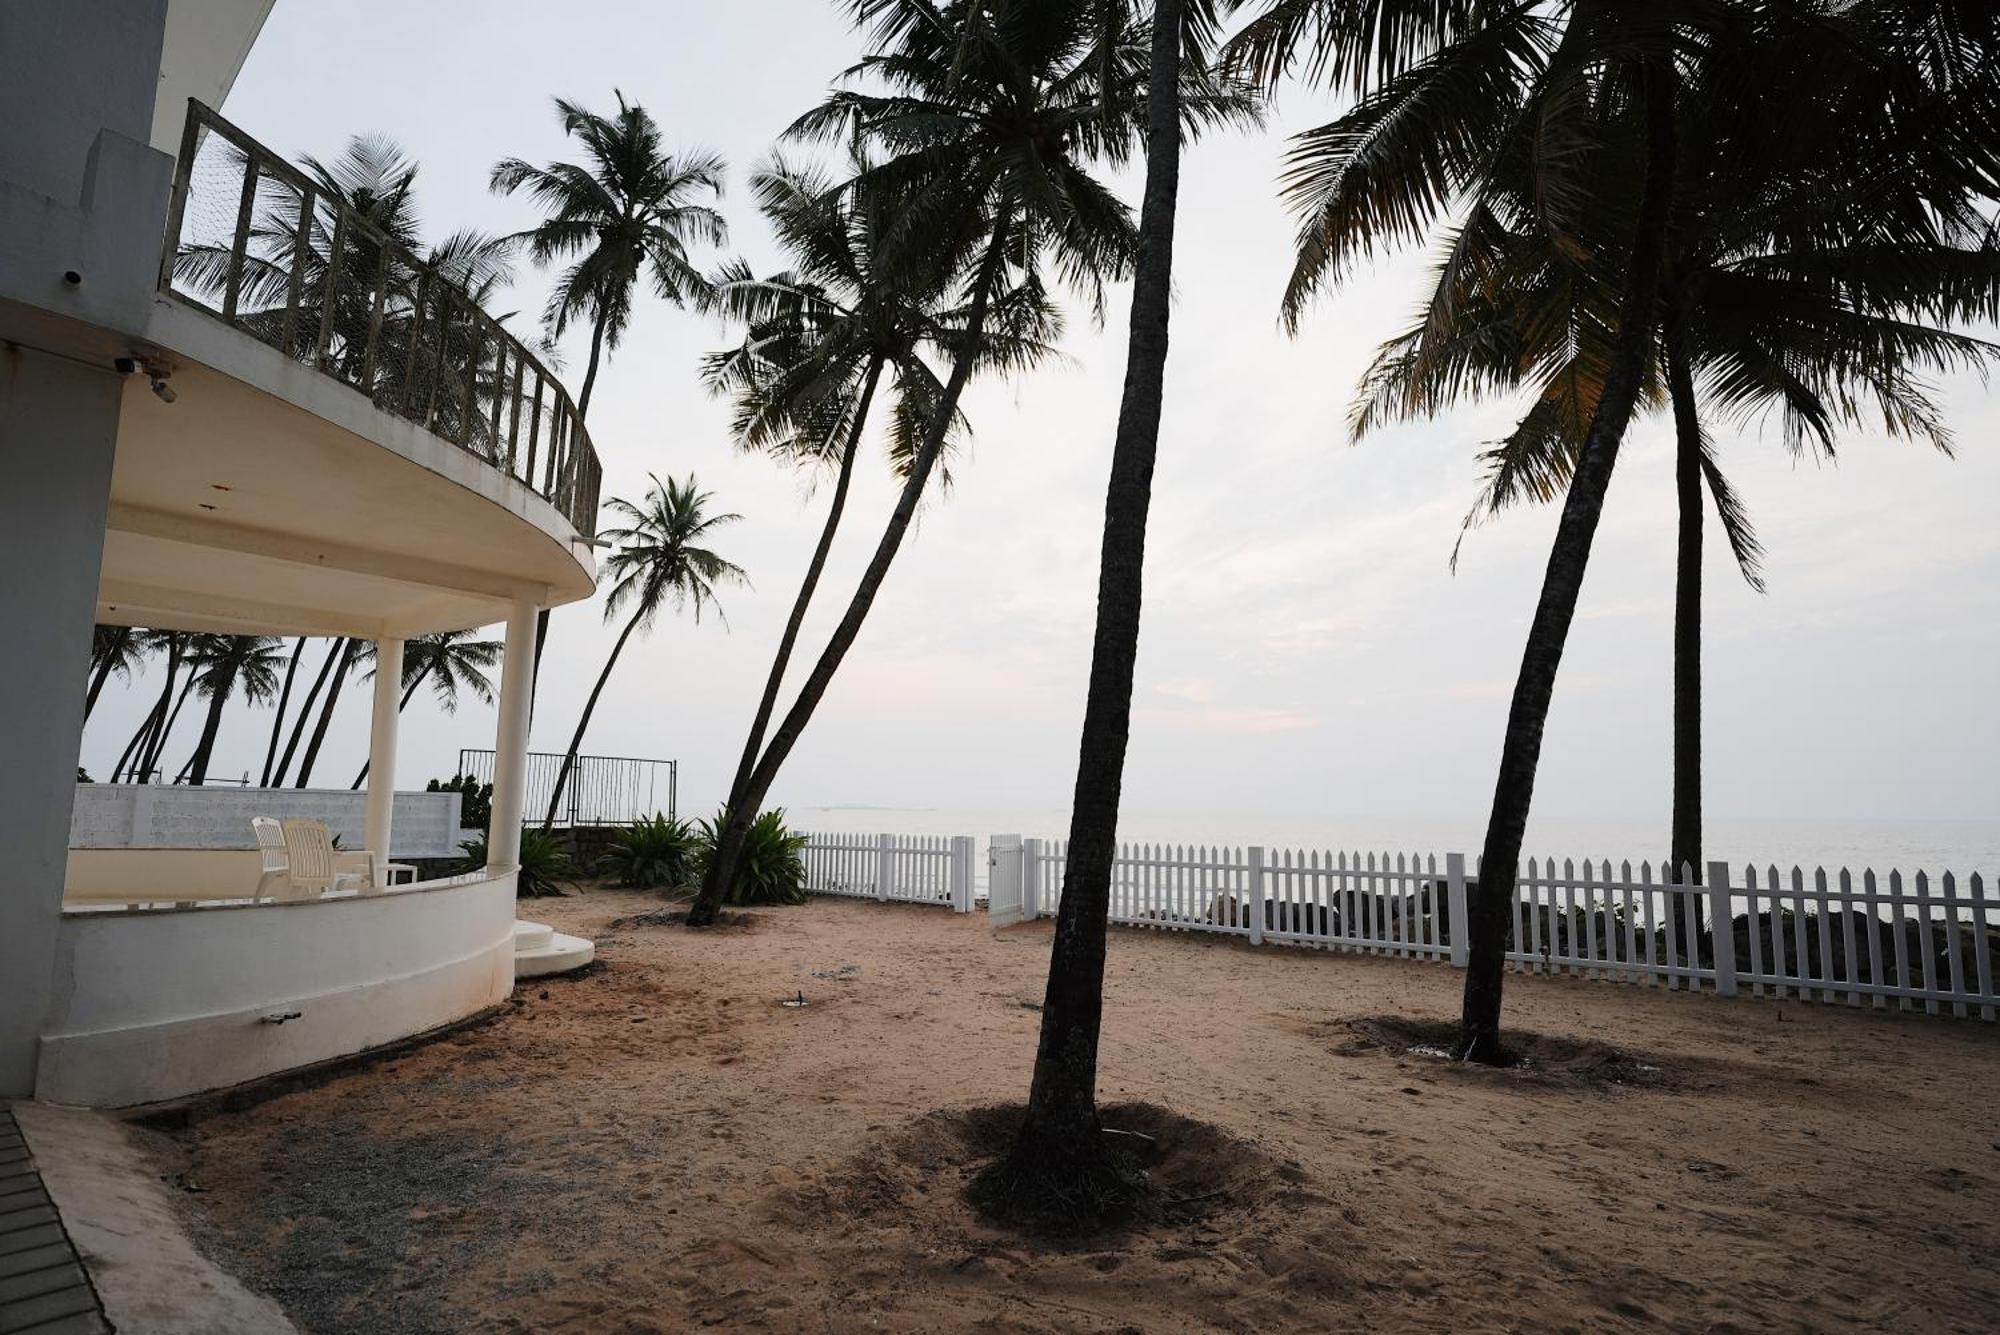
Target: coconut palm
228,666
1060,1151
994,111
136,762
629,207
859,298
114,650
335,652
1508,310
657,560
1479,113
451,661
278,714
340,661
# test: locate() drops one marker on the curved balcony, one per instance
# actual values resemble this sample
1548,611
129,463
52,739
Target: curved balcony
255,242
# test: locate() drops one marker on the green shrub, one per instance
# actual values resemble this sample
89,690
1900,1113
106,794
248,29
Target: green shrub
544,862
769,870
475,810
657,851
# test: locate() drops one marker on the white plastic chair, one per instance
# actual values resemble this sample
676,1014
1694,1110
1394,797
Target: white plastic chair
276,880
314,866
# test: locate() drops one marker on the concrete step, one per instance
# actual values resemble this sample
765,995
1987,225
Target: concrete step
560,955
532,936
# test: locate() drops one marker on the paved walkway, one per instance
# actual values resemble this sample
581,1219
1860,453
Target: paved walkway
44,1289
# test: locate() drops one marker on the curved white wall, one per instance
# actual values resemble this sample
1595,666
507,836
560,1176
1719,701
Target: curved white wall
156,1004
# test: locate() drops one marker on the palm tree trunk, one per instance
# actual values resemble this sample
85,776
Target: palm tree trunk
157,748
721,869
401,705
1686,851
135,749
306,711
1491,911
1061,1137
347,647
773,683
582,411
218,700
97,680
284,699
589,706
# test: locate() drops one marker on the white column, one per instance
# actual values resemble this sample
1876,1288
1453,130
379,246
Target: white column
58,432
510,743
382,754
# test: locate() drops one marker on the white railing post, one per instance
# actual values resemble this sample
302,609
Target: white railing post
1006,900
961,873
1724,931
1256,894
885,850
1460,926
1031,879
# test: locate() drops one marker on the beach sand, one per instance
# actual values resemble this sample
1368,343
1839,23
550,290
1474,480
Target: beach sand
658,1145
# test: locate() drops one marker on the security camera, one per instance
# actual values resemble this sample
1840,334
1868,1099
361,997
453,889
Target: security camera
163,389
126,365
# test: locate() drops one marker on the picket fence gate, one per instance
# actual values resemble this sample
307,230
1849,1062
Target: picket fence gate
903,868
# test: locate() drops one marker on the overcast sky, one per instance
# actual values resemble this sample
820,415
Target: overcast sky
1306,650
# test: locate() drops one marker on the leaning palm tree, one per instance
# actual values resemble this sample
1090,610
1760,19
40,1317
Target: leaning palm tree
629,208
451,661
1477,112
114,651
993,113
231,665
278,714
658,560
1060,1151
136,761
860,298
1755,326
340,661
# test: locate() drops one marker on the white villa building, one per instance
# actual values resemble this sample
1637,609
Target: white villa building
228,404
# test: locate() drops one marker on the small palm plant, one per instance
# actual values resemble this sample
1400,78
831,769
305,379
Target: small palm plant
545,862
655,850
769,868
658,559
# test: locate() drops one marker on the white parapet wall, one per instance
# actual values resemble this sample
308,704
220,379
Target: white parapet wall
151,815
152,1004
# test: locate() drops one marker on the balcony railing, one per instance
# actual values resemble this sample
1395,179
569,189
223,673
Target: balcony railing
254,241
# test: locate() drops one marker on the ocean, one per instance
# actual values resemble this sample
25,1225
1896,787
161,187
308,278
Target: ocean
1960,847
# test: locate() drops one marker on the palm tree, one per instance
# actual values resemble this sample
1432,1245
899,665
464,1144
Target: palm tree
336,651
229,665
451,661
1742,318
993,110
629,206
859,299
658,559
339,663
278,714
1491,114
113,650
134,763
1060,1151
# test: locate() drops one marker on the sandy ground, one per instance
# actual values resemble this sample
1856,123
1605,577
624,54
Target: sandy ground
658,1145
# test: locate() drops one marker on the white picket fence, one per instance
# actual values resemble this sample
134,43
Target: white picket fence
1840,938
899,868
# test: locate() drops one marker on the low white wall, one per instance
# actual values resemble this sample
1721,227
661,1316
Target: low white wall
153,1004
159,875
152,815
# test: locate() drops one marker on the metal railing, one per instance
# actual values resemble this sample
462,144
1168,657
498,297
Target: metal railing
254,241
602,790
